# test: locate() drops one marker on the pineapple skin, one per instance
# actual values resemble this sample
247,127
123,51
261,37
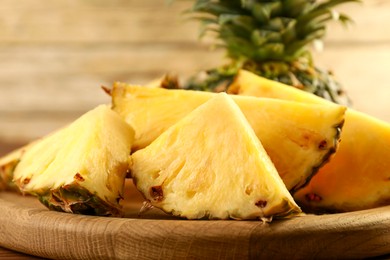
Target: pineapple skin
152,111
188,172
6,175
357,176
60,169
73,198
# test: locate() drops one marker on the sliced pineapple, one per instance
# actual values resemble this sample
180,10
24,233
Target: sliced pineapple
80,168
358,176
298,137
210,164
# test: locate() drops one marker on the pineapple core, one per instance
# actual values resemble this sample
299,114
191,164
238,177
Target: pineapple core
80,168
211,165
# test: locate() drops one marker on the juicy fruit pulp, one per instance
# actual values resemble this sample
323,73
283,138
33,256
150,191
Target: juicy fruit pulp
298,137
357,176
81,168
210,164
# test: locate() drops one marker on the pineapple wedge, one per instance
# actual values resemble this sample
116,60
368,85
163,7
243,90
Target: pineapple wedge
298,137
211,165
80,168
357,177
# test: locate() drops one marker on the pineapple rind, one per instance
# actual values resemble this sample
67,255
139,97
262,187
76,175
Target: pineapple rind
73,198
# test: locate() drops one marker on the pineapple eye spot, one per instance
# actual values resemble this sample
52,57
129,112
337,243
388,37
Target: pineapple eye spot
156,192
234,90
155,175
128,173
26,181
78,177
248,190
261,203
323,144
313,197
191,194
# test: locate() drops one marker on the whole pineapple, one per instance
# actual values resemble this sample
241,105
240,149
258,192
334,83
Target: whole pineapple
272,39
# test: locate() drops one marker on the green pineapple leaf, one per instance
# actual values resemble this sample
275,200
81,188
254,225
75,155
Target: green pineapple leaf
261,34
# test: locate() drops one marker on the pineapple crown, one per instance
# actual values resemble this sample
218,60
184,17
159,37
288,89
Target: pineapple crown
266,30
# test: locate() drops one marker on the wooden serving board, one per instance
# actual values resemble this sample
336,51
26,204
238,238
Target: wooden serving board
27,226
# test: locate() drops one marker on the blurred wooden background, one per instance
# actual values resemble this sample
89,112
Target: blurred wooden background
55,55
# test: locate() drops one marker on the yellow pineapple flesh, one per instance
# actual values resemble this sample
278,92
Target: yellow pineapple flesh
298,137
80,168
210,164
357,177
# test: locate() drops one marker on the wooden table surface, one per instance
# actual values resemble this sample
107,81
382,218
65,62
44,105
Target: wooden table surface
27,226
12,255
4,252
